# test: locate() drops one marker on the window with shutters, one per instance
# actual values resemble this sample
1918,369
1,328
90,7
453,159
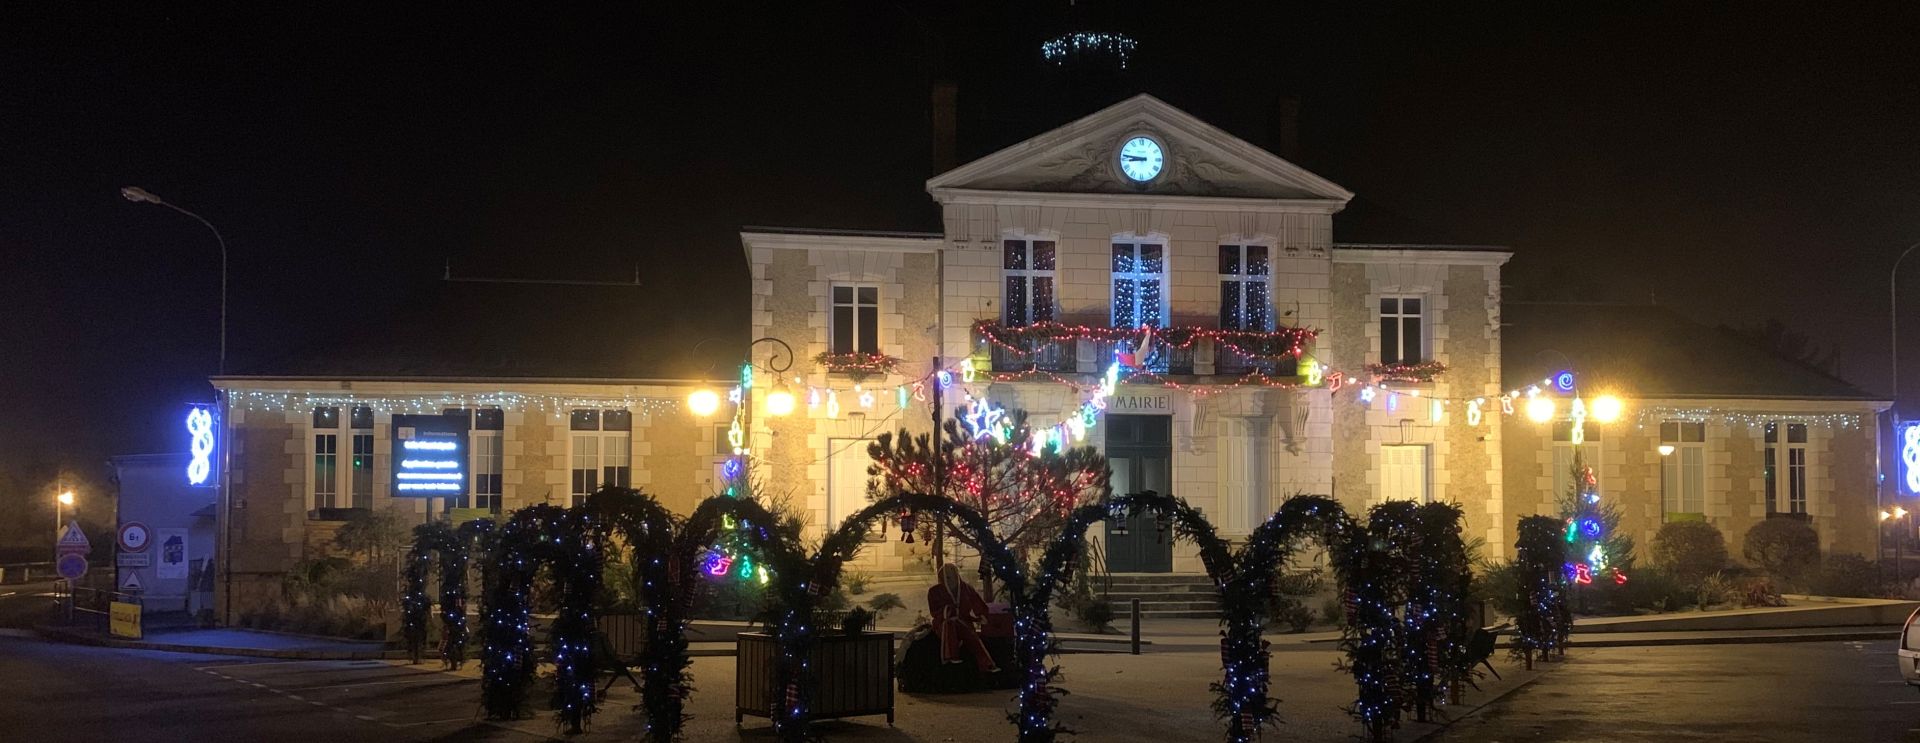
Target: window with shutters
1403,473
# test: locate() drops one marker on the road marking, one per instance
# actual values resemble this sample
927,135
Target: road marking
428,722
244,664
368,683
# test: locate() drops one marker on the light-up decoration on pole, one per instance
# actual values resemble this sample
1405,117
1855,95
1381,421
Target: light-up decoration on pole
200,428
1910,457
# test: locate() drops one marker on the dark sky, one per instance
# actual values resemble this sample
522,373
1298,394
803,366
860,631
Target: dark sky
1738,161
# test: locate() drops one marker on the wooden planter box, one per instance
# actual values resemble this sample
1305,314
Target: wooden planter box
848,676
626,632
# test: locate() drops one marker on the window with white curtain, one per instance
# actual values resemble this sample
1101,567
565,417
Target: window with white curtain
1028,269
1245,302
1683,474
1786,467
1139,284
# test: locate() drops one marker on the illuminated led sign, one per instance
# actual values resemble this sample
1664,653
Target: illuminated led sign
429,456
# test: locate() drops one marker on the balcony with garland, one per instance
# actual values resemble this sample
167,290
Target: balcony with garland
1200,353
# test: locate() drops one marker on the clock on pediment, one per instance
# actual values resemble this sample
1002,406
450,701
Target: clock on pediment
1141,158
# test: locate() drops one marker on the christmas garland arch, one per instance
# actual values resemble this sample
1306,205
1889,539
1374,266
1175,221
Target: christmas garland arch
565,540
1539,564
648,530
454,547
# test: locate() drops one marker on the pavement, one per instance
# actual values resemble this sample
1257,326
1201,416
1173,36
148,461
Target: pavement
1814,692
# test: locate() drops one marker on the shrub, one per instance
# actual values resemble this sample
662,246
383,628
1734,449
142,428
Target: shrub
881,603
1498,587
1096,615
1786,548
856,583
1718,589
1293,614
1848,574
1331,612
1691,550
1759,591
1646,590
856,621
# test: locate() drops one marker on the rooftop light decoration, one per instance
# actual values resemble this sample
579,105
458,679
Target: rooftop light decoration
1089,45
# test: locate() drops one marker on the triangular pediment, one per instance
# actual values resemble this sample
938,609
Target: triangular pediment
1083,157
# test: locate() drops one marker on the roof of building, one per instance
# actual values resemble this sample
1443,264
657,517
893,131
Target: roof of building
1650,351
477,328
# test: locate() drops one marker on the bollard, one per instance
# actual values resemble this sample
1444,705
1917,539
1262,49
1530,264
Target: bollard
1136,627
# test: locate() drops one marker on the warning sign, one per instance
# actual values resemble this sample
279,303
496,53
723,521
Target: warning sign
130,582
73,540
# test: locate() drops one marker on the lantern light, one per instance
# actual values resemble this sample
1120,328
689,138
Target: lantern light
780,401
1540,409
703,402
1605,409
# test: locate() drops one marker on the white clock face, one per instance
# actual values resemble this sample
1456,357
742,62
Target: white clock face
1141,159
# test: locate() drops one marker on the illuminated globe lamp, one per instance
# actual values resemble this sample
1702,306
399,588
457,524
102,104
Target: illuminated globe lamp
1540,409
780,401
704,402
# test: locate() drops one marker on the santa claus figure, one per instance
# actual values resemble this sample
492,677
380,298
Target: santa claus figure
957,611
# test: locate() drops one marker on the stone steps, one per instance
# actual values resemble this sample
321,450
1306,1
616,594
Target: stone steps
1164,595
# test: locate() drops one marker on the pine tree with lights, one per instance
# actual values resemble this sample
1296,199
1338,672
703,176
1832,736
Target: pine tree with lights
1025,496
1597,550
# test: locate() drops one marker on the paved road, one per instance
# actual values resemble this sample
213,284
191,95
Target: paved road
1819,691
24,604
53,692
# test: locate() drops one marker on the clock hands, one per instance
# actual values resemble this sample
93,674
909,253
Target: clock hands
1134,158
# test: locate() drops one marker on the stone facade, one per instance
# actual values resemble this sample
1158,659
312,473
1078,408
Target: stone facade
273,524
1841,495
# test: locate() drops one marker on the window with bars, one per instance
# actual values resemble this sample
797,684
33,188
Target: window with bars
602,451
1402,330
1683,474
340,483
1139,285
1786,468
1028,268
856,318
1245,273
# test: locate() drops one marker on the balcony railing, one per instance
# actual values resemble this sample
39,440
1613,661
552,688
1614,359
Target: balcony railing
1061,349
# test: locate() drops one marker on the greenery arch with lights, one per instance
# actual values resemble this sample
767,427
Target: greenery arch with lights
649,531
565,539
454,546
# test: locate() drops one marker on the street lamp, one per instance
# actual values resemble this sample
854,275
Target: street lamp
139,195
65,498
703,403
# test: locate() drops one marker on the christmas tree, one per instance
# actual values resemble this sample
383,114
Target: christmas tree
1596,548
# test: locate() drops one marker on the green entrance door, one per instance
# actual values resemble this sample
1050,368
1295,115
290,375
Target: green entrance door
1140,453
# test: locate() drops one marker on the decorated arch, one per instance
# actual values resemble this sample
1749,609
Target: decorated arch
648,530
565,541
454,547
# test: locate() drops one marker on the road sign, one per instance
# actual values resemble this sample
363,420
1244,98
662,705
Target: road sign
71,565
172,564
133,559
131,581
73,540
124,619
133,537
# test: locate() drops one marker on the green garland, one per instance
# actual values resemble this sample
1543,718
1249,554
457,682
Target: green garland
1435,658
1539,564
454,548
1278,344
564,539
648,529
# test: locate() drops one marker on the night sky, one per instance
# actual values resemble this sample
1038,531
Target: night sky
1738,166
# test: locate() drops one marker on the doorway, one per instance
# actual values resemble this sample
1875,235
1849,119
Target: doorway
1140,453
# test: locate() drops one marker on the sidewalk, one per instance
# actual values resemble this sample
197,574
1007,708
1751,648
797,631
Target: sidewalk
1155,697
241,642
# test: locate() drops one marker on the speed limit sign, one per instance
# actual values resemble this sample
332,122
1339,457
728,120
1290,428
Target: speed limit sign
133,537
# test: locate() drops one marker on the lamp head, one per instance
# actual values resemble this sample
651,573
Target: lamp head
66,498
780,400
137,194
703,402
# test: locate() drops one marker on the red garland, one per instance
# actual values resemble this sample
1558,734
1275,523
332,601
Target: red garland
856,364
1282,343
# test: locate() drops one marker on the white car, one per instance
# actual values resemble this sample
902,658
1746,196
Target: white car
1910,649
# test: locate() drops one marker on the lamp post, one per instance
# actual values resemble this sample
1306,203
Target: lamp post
65,498
1893,366
139,195
779,401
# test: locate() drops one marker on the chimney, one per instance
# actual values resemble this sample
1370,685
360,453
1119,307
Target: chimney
1286,129
945,126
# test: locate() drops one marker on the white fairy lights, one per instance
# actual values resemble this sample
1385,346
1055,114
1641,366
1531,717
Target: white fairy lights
1654,416
433,404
